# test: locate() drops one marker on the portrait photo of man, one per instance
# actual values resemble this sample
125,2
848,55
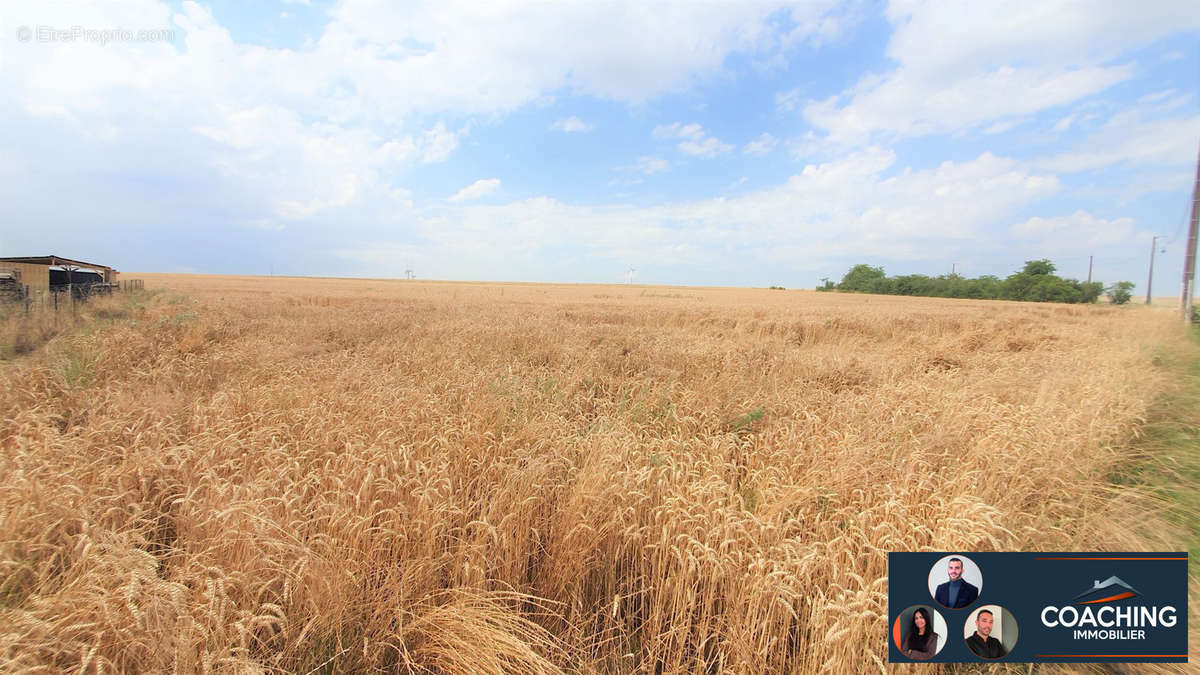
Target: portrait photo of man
981,640
956,592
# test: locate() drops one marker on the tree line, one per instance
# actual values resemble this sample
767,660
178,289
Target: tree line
1035,282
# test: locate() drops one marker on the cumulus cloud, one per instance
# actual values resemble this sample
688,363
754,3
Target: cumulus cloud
1064,123
909,103
1129,138
633,174
472,58
707,148
695,141
760,146
648,165
480,188
1078,228
291,134
323,138
692,131
438,143
790,100
571,124
815,216
961,66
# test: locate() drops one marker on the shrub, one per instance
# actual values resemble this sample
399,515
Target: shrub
1120,292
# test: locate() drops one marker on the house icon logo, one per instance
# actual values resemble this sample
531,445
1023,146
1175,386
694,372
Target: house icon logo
1109,590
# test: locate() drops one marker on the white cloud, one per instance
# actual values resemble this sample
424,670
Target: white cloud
760,146
446,58
650,165
948,37
288,135
811,147
1079,228
646,165
692,131
1166,99
1064,123
324,133
1139,185
264,224
850,207
1000,127
695,142
571,125
1131,139
909,103
471,58
300,168
438,144
963,65
476,190
790,101
707,148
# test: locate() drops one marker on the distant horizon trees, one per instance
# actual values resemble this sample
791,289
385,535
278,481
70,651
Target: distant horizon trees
1035,282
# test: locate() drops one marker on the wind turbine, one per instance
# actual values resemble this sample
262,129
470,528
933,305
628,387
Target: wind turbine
630,273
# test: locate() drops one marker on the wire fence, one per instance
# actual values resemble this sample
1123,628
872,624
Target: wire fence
61,297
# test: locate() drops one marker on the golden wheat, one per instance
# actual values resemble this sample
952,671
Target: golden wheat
331,475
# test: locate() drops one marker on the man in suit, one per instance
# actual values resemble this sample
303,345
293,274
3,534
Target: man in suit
957,592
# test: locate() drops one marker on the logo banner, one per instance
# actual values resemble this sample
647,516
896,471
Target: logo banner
1037,607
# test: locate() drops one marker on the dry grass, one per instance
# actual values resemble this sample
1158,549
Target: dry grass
331,475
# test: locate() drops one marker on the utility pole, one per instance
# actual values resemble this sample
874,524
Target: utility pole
1150,279
1189,260
953,269
1090,257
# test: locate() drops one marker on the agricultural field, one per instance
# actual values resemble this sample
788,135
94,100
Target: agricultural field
305,475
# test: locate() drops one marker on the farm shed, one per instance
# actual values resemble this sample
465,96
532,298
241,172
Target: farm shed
42,273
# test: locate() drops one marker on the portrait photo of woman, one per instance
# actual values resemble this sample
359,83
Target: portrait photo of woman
921,641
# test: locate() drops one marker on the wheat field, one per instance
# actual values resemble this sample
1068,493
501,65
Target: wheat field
246,474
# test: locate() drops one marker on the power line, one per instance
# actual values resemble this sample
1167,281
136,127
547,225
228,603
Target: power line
1183,218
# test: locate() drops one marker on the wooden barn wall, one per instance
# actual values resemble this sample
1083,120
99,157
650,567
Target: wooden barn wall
36,277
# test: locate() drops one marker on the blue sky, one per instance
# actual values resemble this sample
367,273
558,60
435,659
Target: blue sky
743,144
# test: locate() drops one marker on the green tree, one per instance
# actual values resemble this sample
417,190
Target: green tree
1120,292
1051,288
1089,291
862,279
987,287
1036,282
1038,267
1016,286
912,284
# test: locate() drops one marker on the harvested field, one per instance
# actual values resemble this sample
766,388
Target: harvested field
265,474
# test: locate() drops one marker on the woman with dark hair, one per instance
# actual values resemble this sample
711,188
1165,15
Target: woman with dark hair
921,642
